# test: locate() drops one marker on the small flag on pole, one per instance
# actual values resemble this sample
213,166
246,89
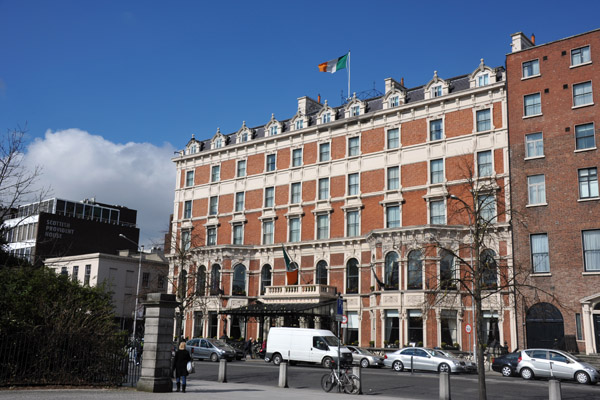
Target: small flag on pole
334,65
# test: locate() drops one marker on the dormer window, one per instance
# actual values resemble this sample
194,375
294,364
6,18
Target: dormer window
193,149
394,101
483,80
273,130
299,124
436,91
218,143
244,134
244,137
355,110
326,118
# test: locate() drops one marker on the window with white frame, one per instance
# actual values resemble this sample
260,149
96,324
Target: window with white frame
484,163
394,101
534,145
186,239
580,55
238,234
436,171
437,212
536,188
353,184
211,236
588,183
322,226
239,201
415,270
532,104
578,326
352,223
323,188
218,143
294,229
483,79
215,173
436,91
436,129
484,120
75,275
267,227
64,271
241,168
531,68
582,94
325,118
585,136
324,153
296,193
244,136
273,130
213,205
88,275
539,253
271,162
487,208
591,250
393,178
393,138
321,273
299,124
269,196
352,276
187,209
353,146
296,157
189,178
354,111
392,216
447,271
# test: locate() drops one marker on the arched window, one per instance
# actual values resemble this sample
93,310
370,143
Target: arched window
215,280
352,276
415,270
265,278
182,284
489,270
447,277
239,281
321,276
391,275
201,281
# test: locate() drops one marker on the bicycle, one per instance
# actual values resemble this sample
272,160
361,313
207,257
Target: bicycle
348,382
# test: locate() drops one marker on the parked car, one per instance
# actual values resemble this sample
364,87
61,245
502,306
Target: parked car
210,349
470,366
422,359
546,363
506,364
365,358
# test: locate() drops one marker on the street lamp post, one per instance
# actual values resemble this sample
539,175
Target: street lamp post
137,291
454,197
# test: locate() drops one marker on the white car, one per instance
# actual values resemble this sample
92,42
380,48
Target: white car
546,363
422,359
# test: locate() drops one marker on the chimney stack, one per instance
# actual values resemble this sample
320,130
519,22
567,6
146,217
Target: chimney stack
402,81
533,39
319,98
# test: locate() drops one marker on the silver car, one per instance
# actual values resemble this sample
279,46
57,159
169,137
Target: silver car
546,363
422,359
364,357
209,349
470,366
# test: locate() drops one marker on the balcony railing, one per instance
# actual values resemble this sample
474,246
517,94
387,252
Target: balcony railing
305,293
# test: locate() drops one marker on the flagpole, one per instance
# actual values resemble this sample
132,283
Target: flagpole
348,74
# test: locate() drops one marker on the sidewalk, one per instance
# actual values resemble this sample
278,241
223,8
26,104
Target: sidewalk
196,390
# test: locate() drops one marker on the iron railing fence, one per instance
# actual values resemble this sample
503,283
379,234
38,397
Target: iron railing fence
37,358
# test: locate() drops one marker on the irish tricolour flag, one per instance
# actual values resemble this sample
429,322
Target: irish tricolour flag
334,65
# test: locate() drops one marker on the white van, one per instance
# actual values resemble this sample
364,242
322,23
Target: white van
305,345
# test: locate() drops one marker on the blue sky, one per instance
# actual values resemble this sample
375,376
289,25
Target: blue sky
146,75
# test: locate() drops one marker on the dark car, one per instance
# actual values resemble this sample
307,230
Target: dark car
506,364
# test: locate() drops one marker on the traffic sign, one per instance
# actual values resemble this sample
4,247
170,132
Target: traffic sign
344,321
468,328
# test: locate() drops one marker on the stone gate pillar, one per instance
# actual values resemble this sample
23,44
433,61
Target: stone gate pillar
158,341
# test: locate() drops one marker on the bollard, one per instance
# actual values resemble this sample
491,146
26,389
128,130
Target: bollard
554,392
223,371
358,372
283,370
445,386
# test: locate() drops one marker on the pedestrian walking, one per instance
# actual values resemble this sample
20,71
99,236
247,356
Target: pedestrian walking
182,357
248,348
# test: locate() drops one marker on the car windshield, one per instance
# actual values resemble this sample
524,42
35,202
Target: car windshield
220,344
331,340
364,351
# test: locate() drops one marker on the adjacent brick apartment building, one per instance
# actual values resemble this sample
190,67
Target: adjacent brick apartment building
553,124
356,194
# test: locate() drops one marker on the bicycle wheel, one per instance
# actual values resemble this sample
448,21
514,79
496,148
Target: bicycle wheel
351,384
327,382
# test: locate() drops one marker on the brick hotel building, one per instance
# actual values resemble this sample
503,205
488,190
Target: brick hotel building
553,125
356,194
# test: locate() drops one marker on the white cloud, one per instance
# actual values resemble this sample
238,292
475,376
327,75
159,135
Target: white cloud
77,165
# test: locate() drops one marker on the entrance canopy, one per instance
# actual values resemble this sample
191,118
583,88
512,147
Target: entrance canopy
283,309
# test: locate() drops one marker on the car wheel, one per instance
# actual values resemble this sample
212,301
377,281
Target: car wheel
327,362
364,363
214,357
398,366
582,377
443,367
507,370
526,373
277,359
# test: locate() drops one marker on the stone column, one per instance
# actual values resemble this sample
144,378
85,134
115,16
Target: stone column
158,341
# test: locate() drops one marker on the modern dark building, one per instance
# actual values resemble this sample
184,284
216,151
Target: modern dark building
58,228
